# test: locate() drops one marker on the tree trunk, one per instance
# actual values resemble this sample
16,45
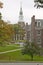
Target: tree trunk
31,57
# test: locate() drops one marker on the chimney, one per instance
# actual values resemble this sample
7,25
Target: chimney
33,18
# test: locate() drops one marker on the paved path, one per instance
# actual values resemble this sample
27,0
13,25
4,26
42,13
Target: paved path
9,51
21,63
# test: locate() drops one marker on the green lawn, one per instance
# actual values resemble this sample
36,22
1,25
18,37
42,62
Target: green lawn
18,57
9,47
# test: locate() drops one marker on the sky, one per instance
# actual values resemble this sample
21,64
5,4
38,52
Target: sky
11,9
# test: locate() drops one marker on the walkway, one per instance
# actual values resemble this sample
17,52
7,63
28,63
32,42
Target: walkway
21,63
9,51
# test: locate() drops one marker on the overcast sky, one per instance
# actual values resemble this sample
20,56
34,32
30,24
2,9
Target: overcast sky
11,8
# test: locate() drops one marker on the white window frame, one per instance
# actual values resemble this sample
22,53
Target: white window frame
38,24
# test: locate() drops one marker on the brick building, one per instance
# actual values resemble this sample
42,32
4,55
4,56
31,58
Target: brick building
28,32
34,31
37,31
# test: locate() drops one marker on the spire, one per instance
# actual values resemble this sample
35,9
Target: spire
21,13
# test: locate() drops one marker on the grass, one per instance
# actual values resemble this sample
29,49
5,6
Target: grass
18,57
13,56
9,47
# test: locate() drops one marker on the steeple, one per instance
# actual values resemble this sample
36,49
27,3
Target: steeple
21,13
21,21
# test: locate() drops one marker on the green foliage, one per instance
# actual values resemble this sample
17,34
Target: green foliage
38,3
0,16
18,30
18,57
41,1
30,49
6,32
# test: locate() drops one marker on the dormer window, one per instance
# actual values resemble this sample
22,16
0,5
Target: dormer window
39,23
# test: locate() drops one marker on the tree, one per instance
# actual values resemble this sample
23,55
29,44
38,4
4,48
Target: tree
30,49
18,31
1,5
6,32
38,3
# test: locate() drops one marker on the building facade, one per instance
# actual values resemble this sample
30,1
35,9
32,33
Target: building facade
21,26
28,32
33,32
37,31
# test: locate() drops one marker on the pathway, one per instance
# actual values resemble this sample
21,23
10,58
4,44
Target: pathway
21,63
9,51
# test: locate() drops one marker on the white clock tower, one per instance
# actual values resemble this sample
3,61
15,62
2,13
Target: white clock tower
21,14
21,20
